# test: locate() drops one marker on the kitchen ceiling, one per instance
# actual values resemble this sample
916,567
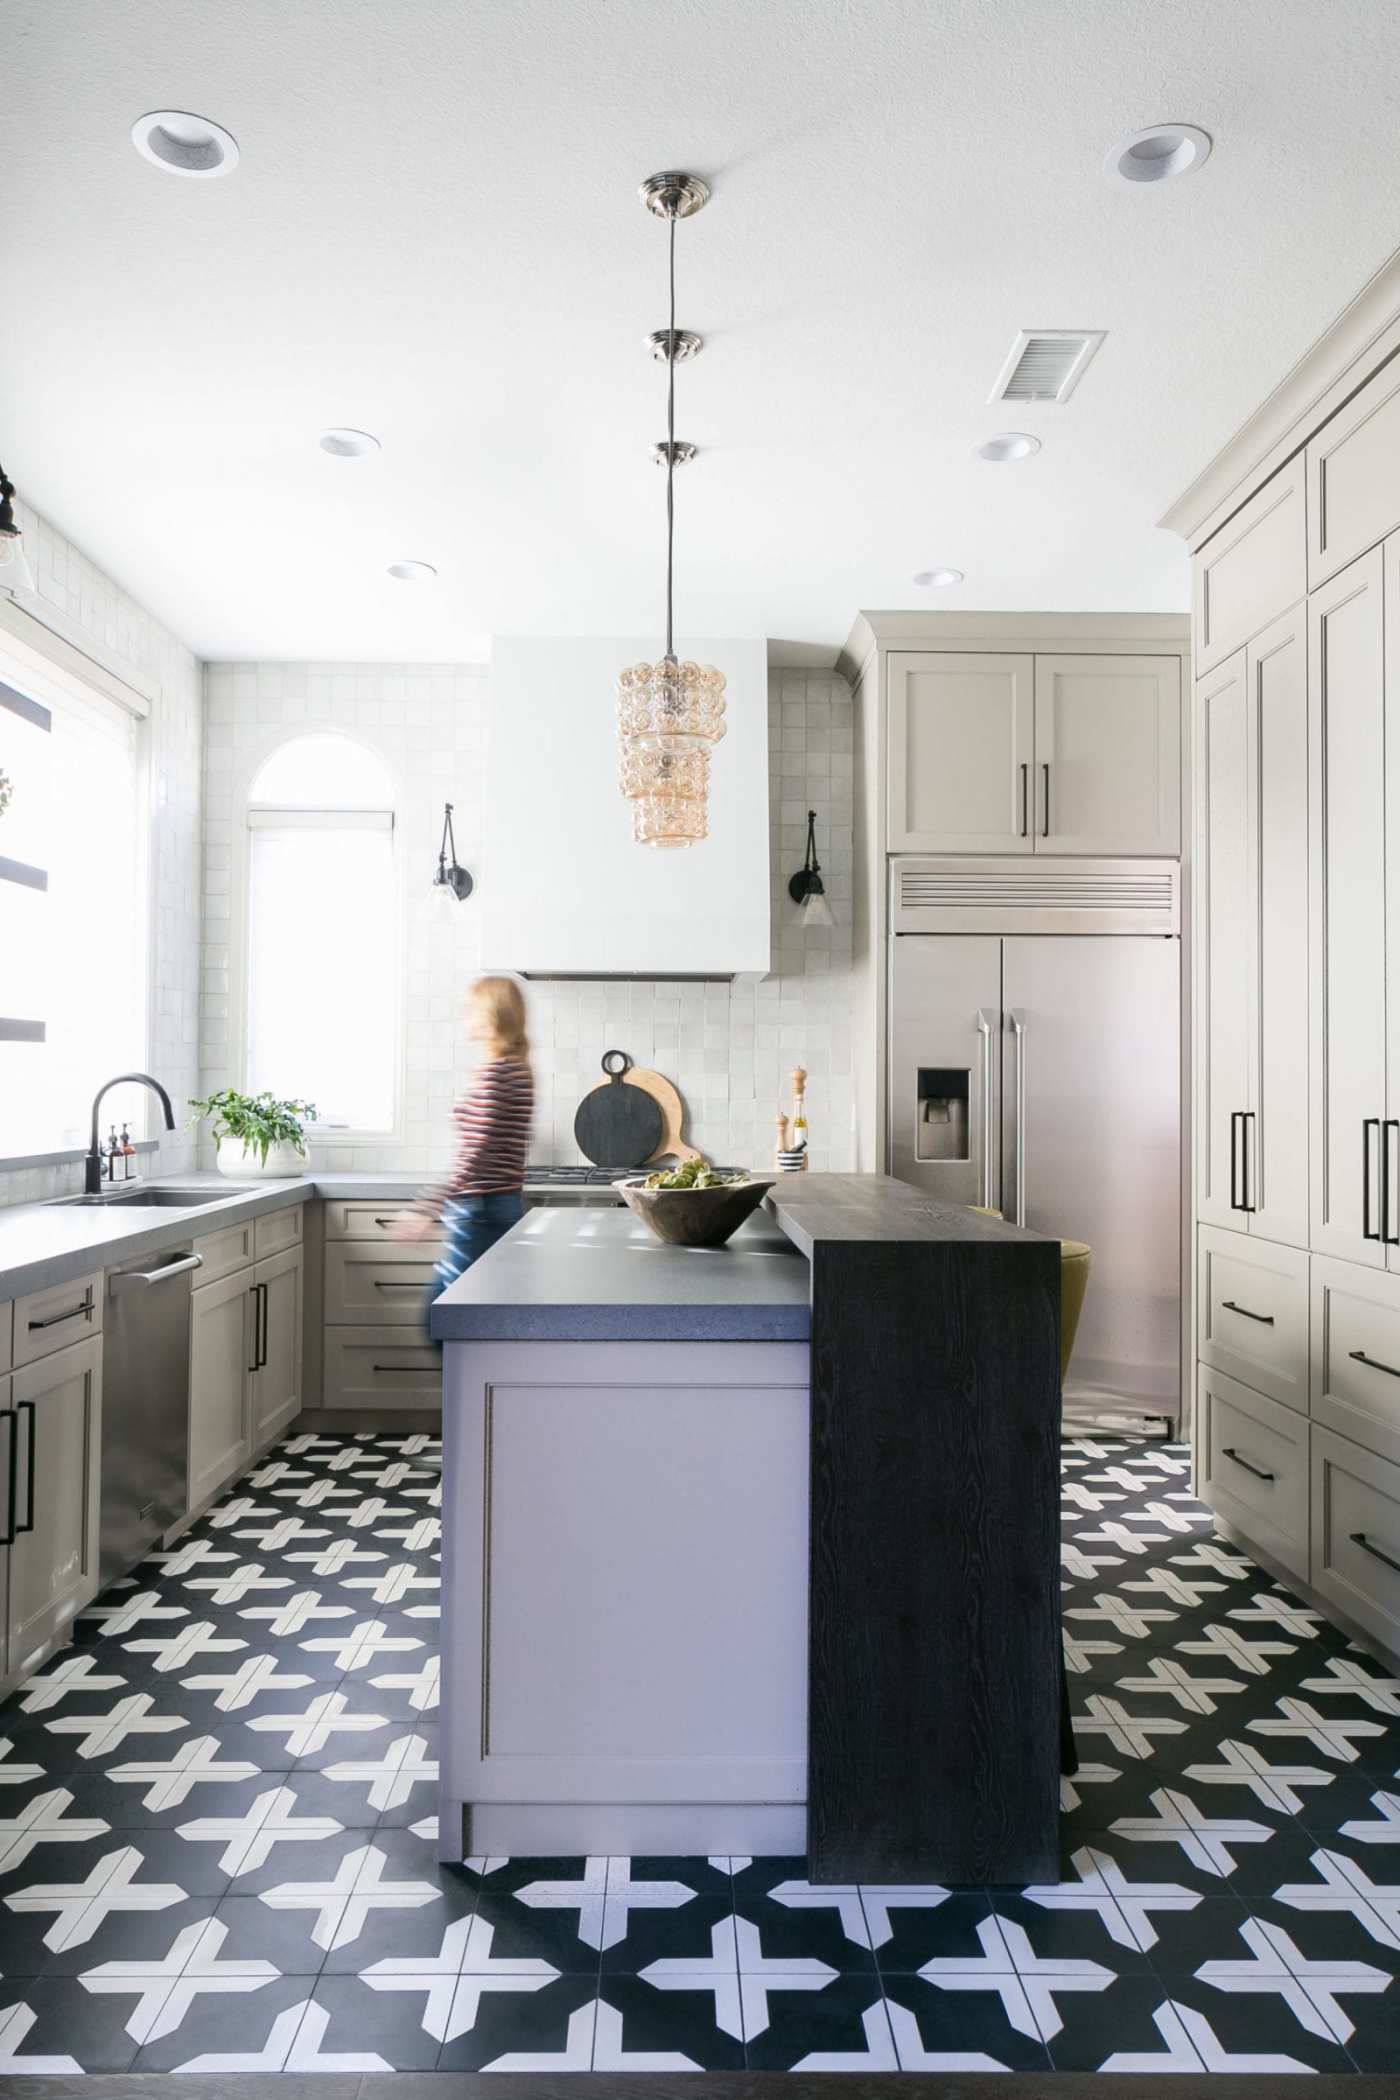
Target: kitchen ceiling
433,234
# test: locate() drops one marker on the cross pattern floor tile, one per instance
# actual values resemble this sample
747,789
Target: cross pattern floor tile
217,1834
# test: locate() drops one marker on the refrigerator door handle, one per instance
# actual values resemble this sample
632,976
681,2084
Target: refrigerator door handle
988,1023
1018,1029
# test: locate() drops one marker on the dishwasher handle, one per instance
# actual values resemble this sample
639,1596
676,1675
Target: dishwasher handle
140,1279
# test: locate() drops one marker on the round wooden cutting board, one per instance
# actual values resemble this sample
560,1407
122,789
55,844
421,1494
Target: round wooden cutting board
672,1112
618,1126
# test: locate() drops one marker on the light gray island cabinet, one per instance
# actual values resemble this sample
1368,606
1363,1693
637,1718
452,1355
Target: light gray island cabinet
756,1549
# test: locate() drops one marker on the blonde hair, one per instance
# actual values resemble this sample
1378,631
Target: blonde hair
497,1005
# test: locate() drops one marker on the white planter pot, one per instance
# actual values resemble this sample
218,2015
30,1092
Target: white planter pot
242,1164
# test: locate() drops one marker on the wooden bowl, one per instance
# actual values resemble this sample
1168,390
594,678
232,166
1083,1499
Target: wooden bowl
694,1217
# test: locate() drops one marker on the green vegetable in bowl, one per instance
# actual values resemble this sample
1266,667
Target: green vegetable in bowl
692,1174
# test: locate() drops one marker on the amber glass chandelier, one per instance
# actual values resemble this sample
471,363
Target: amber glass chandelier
670,714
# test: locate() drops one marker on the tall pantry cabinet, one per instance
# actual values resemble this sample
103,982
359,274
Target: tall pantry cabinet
1296,626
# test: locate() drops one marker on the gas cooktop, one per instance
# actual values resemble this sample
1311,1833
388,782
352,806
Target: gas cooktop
581,1176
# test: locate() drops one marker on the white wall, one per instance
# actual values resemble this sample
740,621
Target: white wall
728,1048
124,634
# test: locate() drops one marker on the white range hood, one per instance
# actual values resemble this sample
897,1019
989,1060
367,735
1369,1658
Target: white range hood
565,892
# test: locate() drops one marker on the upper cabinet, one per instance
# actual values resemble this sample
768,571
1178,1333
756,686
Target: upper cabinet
1354,476
1251,570
962,746
1072,754
564,889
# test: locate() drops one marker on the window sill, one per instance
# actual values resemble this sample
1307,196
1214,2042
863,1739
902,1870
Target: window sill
13,1161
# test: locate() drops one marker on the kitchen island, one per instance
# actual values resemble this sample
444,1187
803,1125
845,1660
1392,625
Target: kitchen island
755,1549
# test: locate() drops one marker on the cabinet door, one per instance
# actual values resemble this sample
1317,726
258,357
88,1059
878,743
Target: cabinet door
1275,1165
1224,941
1248,572
221,1364
8,1456
277,1380
1346,764
58,1455
961,731
1107,754
1354,477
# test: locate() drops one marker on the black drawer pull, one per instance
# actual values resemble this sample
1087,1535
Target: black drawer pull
1229,1305
411,1283
408,1370
54,1319
1372,1363
1228,1453
389,1221
1359,1538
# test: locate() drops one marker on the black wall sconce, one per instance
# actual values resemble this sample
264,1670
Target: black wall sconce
451,879
14,568
806,888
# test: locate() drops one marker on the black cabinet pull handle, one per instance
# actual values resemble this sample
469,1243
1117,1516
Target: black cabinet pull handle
1246,1160
1359,1538
262,1325
1371,1123
1236,1116
1025,797
1229,1305
408,1370
1392,1239
1045,776
8,1419
1372,1363
1228,1453
56,1319
27,1407
393,1220
253,1294
412,1283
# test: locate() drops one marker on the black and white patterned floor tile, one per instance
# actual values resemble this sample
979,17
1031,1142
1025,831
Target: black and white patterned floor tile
216,1834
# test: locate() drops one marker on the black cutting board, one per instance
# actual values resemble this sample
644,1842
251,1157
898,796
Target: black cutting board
617,1125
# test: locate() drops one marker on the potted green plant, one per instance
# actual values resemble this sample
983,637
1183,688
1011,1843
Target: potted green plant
266,1136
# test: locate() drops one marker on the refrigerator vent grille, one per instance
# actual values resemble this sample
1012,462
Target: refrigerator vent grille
1083,896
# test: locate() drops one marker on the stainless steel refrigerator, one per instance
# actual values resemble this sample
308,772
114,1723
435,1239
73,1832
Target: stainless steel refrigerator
1035,1067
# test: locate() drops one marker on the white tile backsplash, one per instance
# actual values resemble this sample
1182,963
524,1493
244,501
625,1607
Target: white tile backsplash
124,634
728,1048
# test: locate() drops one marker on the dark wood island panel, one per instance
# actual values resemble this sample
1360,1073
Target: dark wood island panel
934,1659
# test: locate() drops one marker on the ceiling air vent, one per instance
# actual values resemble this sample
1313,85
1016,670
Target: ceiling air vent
1046,364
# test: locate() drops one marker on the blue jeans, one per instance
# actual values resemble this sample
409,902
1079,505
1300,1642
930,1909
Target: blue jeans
471,1224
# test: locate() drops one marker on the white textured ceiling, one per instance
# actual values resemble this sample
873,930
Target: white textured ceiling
434,234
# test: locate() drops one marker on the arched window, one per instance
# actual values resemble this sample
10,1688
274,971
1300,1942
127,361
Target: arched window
322,927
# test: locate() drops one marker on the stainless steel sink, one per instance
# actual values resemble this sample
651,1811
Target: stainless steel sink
152,1198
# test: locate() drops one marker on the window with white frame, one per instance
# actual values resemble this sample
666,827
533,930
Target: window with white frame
74,914
321,947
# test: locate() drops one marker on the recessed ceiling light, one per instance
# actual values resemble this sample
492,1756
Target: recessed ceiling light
412,571
1009,445
1158,153
183,144
937,579
347,443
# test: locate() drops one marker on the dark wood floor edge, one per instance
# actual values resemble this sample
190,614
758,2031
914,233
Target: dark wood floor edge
713,2085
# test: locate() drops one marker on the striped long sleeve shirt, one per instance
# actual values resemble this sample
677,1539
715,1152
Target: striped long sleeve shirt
493,1131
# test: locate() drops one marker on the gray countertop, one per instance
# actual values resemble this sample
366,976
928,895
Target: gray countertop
601,1275
48,1243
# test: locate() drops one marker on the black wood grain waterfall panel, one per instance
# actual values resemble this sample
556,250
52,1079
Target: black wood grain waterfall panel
934,1638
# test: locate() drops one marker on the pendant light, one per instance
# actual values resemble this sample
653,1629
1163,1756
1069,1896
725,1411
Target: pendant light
670,714
15,572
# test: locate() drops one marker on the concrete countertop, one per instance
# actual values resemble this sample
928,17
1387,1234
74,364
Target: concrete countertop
601,1276
48,1243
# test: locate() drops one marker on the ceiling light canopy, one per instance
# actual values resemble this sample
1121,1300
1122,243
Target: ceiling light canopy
1008,445
938,579
344,443
184,144
412,571
1157,154
670,714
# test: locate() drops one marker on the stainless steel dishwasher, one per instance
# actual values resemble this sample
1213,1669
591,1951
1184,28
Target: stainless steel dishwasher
145,1405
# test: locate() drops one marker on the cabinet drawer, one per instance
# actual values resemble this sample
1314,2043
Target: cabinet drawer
1252,1465
278,1230
1356,1354
51,1319
370,1285
223,1252
1252,1305
1250,571
358,1219
1354,477
1356,1533
365,1367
